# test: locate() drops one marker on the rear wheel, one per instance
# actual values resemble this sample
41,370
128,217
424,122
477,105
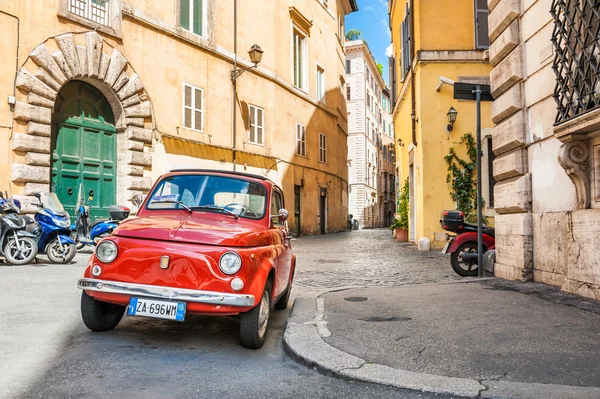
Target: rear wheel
254,323
22,256
100,316
462,267
60,252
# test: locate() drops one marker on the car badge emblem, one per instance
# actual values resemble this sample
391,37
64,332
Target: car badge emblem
164,262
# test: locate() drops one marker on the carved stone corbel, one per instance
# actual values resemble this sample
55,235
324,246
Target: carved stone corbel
573,157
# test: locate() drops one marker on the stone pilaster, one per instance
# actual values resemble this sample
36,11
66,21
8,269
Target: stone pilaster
512,192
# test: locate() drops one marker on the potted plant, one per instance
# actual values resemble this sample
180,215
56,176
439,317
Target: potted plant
400,225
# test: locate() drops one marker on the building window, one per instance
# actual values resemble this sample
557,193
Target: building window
192,16
257,119
482,38
300,140
348,66
193,108
94,10
320,84
368,101
300,58
342,84
348,92
405,40
322,148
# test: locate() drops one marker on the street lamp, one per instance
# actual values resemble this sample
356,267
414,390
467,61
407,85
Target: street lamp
452,114
255,54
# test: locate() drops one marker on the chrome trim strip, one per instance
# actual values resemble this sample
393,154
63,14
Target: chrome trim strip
161,292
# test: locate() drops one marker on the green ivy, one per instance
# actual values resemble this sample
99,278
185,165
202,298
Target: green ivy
401,221
462,178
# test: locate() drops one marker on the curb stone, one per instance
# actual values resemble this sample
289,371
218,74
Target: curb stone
303,343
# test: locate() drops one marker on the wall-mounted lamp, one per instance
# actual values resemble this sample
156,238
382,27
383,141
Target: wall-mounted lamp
255,54
452,114
400,143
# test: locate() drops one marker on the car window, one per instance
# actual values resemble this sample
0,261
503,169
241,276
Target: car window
242,197
276,205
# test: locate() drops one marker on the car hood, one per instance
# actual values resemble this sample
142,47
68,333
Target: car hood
205,228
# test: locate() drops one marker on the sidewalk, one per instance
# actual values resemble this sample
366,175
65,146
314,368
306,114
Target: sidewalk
487,338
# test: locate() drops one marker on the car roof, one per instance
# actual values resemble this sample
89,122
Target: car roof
223,172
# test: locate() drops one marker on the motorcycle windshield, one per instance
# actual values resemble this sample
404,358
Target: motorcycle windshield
6,191
52,203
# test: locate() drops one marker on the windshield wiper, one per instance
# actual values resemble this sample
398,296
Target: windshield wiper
187,208
216,208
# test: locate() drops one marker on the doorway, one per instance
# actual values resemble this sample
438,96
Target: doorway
412,226
297,193
84,149
323,211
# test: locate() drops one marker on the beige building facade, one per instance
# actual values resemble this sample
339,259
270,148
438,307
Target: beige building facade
105,96
546,85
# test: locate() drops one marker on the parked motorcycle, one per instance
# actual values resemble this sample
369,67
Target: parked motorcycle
54,235
17,245
462,247
87,233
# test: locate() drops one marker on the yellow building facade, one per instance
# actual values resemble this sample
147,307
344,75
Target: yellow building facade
105,96
436,43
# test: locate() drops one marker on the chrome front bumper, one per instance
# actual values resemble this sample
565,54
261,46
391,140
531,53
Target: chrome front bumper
169,293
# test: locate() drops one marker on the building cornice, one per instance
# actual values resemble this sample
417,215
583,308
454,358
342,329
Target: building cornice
452,56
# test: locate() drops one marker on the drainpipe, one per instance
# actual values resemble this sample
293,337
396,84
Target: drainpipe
16,69
413,115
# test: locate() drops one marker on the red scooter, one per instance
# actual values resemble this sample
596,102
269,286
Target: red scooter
462,247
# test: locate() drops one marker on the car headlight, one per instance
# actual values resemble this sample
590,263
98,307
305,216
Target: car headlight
107,251
230,263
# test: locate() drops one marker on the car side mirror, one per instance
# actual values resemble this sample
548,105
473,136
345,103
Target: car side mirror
138,199
283,215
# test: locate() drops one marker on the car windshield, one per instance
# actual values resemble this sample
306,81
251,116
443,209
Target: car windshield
51,202
210,193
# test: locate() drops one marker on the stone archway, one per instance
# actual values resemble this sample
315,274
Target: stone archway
80,56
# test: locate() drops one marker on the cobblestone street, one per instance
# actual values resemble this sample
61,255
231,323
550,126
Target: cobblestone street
364,258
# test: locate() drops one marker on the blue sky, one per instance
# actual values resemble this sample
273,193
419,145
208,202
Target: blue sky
373,22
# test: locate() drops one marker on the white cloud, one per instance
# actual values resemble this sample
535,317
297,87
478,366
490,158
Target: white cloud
389,50
383,3
386,27
369,8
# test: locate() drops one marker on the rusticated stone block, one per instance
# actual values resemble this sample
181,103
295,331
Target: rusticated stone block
514,195
82,56
135,170
514,224
502,16
132,145
515,251
67,46
139,158
39,129
505,43
507,73
509,134
27,142
59,58
30,174
34,99
507,104
45,77
142,110
34,158
508,272
31,188
511,164
27,112
551,238
143,135
121,81
93,44
138,183
28,82
137,122
492,4
133,100
115,67
41,56
104,62
133,86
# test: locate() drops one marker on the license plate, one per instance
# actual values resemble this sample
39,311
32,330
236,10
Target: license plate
156,308
445,250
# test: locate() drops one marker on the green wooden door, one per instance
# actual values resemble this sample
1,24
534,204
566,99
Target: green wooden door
84,149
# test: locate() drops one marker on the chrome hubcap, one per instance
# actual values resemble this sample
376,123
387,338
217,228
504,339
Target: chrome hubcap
263,314
23,253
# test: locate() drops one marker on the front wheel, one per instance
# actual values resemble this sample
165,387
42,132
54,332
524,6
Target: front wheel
22,256
60,252
100,316
254,323
282,303
461,267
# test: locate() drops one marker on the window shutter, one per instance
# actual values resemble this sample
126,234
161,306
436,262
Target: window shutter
259,123
252,132
184,14
198,109
198,17
348,66
482,37
392,78
187,103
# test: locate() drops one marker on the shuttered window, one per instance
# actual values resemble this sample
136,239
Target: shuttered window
322,148
255,134
320,84
482,38
193,111
192,16
300,55
405,40
300,140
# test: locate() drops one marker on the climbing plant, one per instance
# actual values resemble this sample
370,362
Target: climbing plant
401,221
462,178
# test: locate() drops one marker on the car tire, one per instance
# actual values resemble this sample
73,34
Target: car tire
254,323
283,301
457,263
100,316
54,251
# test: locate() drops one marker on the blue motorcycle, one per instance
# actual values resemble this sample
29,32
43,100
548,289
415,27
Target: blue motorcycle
54,233
90,235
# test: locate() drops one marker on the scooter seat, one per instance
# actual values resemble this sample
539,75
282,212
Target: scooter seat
484,229
101,220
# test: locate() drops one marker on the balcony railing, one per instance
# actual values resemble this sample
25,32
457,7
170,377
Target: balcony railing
94,10
577,60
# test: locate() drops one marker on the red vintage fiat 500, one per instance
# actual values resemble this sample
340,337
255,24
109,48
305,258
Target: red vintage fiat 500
208,242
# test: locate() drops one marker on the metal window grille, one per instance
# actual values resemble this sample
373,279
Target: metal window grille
94,10
577,60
